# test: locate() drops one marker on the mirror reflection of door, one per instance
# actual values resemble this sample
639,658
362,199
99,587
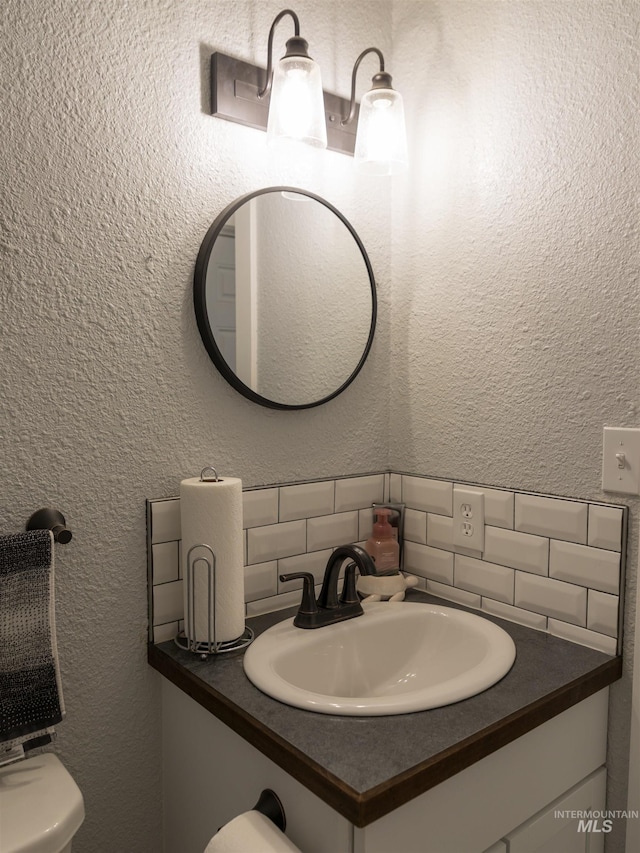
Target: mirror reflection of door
246,367
221,294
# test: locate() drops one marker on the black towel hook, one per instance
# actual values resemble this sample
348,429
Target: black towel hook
51,519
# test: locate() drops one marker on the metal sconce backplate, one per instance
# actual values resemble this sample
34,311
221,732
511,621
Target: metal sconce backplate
234,96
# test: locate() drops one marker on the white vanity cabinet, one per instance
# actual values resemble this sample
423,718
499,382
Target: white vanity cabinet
551,832
504,803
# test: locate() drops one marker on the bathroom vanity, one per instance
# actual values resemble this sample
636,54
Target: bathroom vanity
464,777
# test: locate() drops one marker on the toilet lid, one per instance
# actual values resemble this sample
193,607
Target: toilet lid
41,807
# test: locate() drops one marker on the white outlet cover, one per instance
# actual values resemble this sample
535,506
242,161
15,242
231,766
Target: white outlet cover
468,518
621,474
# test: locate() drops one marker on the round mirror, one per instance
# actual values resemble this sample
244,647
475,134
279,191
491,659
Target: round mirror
285,298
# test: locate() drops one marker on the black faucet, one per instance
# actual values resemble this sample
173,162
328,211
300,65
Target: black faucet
329,608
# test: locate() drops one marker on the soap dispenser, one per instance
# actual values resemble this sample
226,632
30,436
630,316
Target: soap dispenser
382,545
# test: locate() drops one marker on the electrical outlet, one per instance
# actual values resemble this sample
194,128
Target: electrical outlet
468,518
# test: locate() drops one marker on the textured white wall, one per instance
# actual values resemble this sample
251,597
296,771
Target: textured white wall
112,172
515,253
515,258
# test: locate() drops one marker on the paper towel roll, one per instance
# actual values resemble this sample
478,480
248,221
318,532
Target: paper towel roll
250,832
211,514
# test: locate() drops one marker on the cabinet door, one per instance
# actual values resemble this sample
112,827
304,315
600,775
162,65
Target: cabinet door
211,775
555,830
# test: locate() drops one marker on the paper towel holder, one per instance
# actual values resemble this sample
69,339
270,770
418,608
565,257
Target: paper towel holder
210,646
204,479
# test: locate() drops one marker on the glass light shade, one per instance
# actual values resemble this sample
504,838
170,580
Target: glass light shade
296,110
381,139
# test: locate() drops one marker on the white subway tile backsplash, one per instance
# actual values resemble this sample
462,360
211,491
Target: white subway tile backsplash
314,563
168,631
469,599
605,527
602,612
415,526
276,602
365,524
414,559
329,531
167,602
428,495
395,488
483,578
166,562
275,541
498,507
260,580
440,531
519,550
439,565
570,585
359,492
428,562
552,517
551,598
514,614
165,520
592,567
306,500
387,488
575,634
259,507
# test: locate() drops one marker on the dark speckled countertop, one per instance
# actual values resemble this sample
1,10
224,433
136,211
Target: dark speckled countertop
405,755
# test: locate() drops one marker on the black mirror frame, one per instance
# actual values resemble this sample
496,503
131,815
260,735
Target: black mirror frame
200,303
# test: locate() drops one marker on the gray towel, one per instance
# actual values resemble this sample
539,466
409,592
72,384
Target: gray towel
30,693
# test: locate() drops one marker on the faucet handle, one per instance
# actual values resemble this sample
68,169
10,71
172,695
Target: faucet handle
349,594
308,604
308,609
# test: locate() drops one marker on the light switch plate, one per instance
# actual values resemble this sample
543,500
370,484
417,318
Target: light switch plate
621,460
468,518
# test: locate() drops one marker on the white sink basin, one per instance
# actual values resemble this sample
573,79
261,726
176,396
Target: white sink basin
397,658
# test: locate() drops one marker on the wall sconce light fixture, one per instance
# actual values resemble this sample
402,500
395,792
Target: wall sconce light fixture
381,141
289,103
242,93
296,108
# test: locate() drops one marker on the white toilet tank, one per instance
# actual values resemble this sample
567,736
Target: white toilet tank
41,807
